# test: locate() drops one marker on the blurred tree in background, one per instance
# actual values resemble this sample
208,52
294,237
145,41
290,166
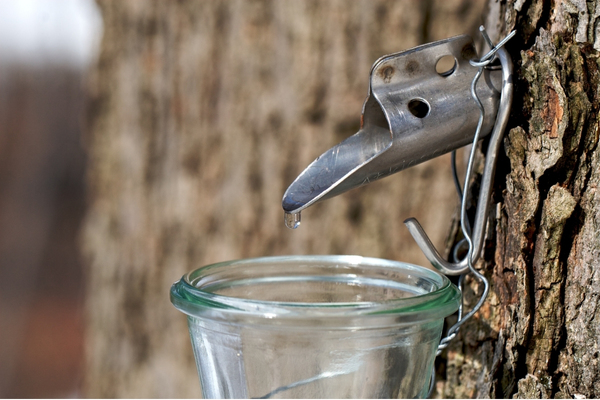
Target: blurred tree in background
45,48
42,168
201,113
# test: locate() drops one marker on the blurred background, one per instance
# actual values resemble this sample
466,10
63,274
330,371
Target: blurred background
142,139
46,48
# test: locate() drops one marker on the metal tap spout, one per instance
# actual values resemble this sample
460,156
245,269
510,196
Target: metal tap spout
413,112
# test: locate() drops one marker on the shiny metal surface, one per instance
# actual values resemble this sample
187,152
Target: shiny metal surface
412,114
416,111
481,214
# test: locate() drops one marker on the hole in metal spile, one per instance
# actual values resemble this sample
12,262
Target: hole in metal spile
419,108
446,65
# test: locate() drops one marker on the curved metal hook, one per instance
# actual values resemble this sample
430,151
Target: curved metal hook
416,230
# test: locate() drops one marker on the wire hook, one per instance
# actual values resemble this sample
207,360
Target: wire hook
478,230
474,242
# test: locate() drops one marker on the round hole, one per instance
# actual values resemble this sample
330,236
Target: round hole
419,108
446,65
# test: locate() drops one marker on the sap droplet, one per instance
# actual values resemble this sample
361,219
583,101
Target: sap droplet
292,220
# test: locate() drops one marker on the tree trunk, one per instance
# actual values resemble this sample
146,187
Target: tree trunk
200,115
538,334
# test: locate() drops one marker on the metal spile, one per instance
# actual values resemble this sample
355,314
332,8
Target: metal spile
414,111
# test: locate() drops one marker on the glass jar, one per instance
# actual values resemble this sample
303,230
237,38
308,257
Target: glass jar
315,326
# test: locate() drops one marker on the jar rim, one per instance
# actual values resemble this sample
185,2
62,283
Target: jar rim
189,294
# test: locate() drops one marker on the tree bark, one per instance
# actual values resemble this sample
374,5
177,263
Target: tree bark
538,334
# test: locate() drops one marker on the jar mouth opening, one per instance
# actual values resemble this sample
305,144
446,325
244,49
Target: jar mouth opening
308,287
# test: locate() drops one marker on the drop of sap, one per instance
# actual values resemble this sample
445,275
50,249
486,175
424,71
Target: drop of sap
292,220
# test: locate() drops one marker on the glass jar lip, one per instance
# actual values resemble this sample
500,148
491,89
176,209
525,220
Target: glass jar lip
196,302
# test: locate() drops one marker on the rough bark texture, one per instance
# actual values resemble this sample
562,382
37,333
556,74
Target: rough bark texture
538,335
200,115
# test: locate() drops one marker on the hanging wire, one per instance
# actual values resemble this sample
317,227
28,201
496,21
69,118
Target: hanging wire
455,174
453,331
462,242
465,226
482,63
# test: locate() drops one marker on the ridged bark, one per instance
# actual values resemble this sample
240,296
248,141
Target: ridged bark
538,335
